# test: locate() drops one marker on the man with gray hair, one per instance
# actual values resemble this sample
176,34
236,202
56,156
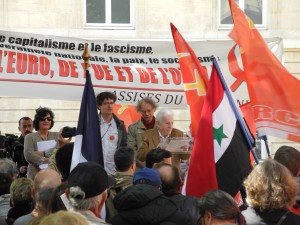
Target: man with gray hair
8,167
87,190
162,131
8,172
146,107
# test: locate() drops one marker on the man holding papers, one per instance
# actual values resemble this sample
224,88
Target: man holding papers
160,133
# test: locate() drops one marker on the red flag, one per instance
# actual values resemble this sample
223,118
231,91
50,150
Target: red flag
248,115
194,76
274,93
220,156
127,113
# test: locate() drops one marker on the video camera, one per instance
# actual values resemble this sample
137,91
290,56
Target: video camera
68,132
11,147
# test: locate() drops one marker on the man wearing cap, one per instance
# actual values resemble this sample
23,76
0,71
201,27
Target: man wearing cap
87,190
144,203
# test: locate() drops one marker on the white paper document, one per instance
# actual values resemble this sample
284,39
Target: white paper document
178,144
43,166
46,145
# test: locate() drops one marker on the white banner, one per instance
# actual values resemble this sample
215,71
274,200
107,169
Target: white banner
38,66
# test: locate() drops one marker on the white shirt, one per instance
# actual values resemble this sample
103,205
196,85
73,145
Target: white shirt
109,138
162,138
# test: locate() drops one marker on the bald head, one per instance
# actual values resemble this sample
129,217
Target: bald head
170,178
165,172
45,179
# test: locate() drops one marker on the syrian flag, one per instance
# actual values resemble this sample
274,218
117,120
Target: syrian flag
220,156
88,146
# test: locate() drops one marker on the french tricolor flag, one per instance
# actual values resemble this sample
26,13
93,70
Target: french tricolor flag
88,146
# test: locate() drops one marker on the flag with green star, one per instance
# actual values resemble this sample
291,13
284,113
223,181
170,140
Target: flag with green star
220,156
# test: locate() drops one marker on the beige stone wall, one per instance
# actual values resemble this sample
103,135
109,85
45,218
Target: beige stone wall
12,109
292,61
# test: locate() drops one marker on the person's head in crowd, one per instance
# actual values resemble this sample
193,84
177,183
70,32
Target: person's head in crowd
8,167
87,187
105,102
270,186
41,202
290,158
45,179
125,160
146,107
21,199
147,176
5,182
43,119
63,158
20,191
55,202
158,155
25,126
64,218
170,178
164,122
218,207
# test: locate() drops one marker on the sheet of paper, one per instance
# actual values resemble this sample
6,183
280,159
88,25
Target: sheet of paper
176,144
66,202
45,145
43,166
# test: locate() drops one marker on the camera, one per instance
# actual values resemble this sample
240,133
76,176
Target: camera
9,143
68,132
11,148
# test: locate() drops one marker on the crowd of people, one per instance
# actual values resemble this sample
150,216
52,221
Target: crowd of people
140,182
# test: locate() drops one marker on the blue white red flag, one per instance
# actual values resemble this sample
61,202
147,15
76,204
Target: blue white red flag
88,146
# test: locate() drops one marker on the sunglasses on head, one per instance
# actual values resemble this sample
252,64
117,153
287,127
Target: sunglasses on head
46,118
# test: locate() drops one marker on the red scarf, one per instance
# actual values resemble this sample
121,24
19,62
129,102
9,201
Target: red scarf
148,125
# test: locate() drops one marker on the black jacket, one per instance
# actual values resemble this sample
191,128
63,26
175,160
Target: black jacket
256,217
187,205
146,205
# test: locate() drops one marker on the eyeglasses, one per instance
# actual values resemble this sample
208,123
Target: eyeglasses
46,118
108,103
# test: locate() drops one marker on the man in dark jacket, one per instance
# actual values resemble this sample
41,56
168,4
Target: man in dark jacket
171,183
144,203
112,129
125,165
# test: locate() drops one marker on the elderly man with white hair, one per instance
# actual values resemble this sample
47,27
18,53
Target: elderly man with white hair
163,130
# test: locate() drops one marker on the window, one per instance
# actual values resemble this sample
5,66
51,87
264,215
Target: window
109,14
256,10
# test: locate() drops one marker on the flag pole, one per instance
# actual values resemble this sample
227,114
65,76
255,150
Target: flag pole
241,121
86,56
264,137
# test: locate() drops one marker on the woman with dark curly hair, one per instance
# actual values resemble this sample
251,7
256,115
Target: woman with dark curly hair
218,207
271,191
34,145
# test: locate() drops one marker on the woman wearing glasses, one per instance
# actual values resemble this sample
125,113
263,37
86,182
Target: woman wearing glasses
39,146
